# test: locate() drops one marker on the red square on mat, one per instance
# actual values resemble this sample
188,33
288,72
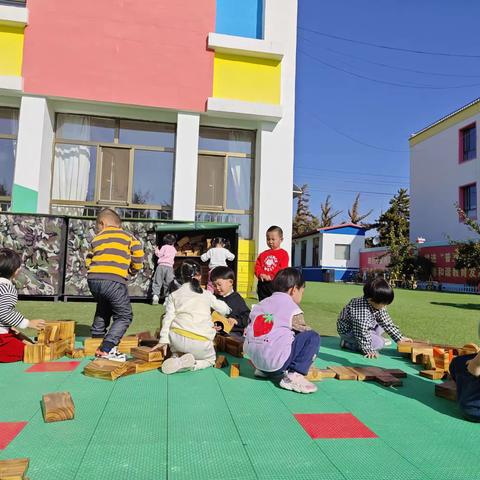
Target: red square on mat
8,431
53,367
333,425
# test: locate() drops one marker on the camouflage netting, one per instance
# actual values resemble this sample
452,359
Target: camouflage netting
40,241
80,234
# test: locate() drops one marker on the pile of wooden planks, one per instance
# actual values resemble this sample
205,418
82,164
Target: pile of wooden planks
53,342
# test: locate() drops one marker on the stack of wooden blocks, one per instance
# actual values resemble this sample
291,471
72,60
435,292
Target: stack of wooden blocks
53,342
384,376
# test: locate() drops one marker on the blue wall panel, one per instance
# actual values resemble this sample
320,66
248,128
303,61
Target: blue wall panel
243,18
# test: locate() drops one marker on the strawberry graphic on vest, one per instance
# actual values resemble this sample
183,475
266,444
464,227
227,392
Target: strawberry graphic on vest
262,324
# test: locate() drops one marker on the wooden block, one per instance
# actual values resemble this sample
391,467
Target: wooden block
183,241
76,353
58,349
51,333
396,372
34,353
433,374
127,343
105,369
234,370
13,469
67,329
446,390
140,366
388,380
21,336
316,374
220,343
57,407
406,347
90,345
221,362
234,346
223,321
144,335
145,354
442,358
343,373
148,342
366,373
418,352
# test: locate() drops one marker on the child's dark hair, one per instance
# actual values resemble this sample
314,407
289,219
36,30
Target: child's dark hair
275,228
188,271
217,241
286,279
224,273
169,239
379,291
10,262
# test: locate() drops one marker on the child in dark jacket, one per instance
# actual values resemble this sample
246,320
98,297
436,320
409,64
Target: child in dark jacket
223,279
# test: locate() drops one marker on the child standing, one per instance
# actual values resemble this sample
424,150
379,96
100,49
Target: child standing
271,343
11,347
164,273
223,279
187,325
115,254
363,321
217,256
270,262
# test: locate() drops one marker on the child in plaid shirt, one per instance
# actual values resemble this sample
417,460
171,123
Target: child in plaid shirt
363,320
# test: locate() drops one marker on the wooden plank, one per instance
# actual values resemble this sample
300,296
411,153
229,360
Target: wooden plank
446,390
125,346
67,329
139,366
433,374
58,349
105,369
388,380
316,374
406,347
235,370
223,321
234,346
34,353
90,345
396,372
219,343
57,407
418,353
76,353
221,362
146,354
13,469
51,333
343,373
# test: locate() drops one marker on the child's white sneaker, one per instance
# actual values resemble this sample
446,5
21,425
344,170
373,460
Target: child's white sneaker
155,300
387,342
297,383
178,364
113,354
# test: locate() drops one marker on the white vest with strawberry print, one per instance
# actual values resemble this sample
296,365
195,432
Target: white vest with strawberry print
269,335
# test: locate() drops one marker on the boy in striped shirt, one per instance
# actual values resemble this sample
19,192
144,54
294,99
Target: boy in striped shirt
114,255
11,346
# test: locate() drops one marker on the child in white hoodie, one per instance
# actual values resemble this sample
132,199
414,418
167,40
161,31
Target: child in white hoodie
187,325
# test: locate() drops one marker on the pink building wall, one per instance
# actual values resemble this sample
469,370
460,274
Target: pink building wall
148,52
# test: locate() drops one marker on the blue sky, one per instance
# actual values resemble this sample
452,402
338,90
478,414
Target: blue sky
333,105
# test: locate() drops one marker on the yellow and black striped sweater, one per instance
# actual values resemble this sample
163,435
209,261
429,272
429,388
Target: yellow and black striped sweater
114,254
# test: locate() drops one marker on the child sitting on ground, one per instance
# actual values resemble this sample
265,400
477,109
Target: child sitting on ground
270,262
465,371
11,346
363,320
217,256
271,343
164,273
223,279
187,325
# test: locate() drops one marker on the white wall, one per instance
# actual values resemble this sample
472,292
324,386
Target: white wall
329,240
435,177
275,143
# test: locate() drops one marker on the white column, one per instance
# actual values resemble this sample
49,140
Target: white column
33,163
186,161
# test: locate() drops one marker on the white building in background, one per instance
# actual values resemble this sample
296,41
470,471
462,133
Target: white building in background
330,253
444,170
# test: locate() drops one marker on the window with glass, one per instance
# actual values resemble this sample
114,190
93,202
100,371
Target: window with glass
468,143
468,200
303,253
342,252
108,161
8,147
316,247
225,174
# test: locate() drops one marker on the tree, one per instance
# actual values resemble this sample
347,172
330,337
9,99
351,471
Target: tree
304,220
467,254
355,216
328,215
393,226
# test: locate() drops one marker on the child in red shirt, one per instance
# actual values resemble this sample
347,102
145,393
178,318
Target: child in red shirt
270,262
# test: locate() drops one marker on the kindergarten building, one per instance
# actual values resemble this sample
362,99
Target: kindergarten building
329,254
165,110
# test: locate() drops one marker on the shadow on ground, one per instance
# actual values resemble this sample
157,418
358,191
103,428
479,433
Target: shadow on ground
465,306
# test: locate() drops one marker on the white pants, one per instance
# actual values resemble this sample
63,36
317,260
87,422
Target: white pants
203,351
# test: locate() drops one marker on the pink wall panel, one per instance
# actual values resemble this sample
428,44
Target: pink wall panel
148,52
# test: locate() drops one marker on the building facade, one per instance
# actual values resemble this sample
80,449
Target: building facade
330,253
164,110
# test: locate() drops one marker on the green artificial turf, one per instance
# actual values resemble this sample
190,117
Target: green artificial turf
434,316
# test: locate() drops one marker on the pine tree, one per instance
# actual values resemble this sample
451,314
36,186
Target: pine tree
328,215
304,220
355,216
393,226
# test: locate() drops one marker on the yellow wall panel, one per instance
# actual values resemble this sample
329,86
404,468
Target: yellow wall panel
11,50
246,78
245,267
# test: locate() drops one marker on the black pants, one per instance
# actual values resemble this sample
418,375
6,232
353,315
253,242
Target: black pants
264,290
113,302
468,388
